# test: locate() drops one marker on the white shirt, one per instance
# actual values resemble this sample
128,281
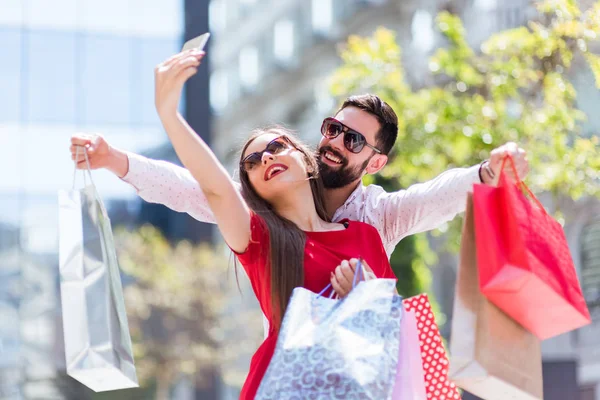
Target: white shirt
421,207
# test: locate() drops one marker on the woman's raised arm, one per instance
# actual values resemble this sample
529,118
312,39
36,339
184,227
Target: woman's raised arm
230,210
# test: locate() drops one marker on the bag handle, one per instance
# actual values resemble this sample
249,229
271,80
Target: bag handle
88,170
359,269
520,184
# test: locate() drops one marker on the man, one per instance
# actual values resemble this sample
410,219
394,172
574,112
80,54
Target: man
355,142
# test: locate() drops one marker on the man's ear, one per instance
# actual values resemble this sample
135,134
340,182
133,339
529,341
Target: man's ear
376,163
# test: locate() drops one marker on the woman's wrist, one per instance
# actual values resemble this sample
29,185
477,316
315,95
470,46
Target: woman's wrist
167,113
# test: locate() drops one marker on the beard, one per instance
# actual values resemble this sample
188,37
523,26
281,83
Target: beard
335,178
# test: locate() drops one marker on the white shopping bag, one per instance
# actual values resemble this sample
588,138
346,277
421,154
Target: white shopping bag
98,347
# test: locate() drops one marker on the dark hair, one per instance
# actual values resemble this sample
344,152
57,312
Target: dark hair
386,137
287,241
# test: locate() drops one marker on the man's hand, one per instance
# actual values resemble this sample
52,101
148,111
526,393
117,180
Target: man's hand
490,171
342,278
100,154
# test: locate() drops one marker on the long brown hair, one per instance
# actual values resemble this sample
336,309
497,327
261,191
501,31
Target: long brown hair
287,241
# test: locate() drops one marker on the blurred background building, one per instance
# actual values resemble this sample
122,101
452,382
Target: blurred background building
84,65
67,66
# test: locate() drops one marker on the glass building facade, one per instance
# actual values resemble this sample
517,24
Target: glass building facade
67,66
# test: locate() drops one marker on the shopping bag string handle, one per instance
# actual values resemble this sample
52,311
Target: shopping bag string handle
359,270
520,184
89,169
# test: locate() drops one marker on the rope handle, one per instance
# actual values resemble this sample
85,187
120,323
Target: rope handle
88,169
520,184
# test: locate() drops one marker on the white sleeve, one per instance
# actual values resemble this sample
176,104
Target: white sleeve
168,184
425,206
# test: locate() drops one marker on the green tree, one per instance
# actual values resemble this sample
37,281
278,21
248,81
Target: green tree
515,89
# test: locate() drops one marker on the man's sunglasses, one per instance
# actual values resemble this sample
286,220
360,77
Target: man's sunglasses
275,146
353,140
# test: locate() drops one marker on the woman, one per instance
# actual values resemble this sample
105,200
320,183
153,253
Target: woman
277,225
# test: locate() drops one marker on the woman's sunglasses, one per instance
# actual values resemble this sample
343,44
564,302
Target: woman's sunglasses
275,146
353,141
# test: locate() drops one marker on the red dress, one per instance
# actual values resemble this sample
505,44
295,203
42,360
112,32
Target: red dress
322,254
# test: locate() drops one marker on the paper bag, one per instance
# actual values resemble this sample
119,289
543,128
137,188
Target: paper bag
525,266
492,356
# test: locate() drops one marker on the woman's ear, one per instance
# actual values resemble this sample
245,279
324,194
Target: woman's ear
310,168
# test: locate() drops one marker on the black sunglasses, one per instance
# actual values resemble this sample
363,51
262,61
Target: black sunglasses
275,146
353,141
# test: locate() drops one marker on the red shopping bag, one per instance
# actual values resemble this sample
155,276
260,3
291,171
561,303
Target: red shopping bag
525,266
433,355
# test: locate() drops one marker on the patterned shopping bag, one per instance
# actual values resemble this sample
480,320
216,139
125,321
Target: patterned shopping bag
434,358
337,349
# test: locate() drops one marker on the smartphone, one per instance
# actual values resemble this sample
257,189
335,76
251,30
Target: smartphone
196,43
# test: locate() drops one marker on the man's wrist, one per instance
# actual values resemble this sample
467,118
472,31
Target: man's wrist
119,162
486,175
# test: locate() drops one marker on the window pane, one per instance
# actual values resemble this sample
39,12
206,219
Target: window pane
107,16
10,75
50,65
590,264
486,5
12,13
51,15
156,18
284,40
234,83
423,36
219,88
217,16
105,79
152,51
249,66
322,15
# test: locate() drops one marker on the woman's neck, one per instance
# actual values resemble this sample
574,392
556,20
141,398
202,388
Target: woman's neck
298,206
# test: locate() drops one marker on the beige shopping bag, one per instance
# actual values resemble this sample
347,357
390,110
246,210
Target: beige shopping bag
491,355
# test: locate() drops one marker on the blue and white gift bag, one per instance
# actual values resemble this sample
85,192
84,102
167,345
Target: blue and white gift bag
337,349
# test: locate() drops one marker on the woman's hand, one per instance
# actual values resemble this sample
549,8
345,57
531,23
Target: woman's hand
169,78
343,276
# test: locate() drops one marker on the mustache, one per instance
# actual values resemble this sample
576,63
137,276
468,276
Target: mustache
336,153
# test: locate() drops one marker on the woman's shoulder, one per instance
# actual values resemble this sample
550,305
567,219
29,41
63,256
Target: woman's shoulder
259,240
258,223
